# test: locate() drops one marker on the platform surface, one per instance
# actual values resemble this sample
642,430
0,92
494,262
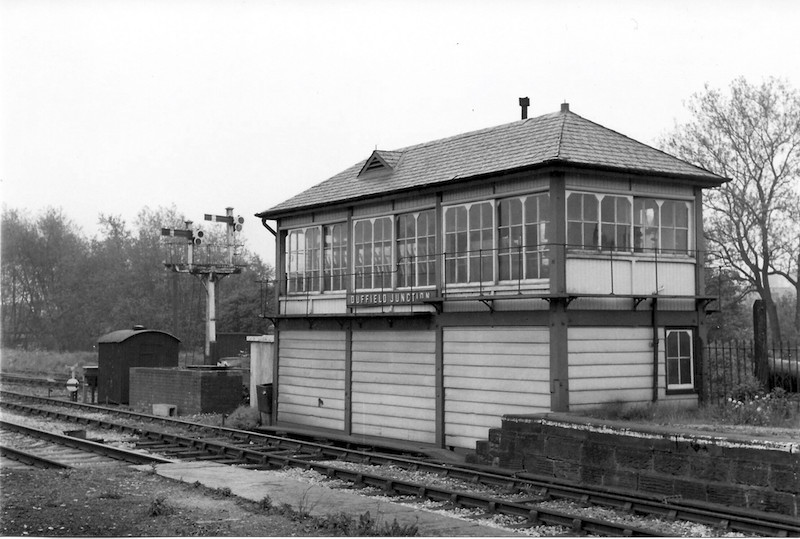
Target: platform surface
317,499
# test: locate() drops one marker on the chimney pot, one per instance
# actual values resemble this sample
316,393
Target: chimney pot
564,107
524,102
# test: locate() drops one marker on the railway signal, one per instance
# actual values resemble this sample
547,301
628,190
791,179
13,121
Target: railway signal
176,233
233,222
209,272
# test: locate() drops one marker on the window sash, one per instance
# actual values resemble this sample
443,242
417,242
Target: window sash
372,252
629,223
303,251
522,237
335,256
469,243
416,247
679,359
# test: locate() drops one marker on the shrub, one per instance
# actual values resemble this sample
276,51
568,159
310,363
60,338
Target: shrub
776,408
747,389
159,507
364,525
244,417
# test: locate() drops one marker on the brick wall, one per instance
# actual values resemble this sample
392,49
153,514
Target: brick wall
193,391
737,471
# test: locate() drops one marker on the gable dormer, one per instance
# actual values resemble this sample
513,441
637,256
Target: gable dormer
380,163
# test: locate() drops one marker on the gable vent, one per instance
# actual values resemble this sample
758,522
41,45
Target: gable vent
374,164
381,163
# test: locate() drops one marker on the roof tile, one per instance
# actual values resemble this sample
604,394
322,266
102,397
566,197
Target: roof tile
562,137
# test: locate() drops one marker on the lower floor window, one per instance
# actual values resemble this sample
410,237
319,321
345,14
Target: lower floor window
680,359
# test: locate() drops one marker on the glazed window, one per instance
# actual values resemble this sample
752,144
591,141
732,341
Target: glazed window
372,247
661,225
646,219
469,243
674,226
679,359
615,223
416,247
303,260
582,221
624,223
522,237
335,256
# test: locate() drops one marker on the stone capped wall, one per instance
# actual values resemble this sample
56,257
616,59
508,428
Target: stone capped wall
761,475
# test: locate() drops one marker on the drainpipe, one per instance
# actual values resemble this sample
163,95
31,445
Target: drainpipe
654,314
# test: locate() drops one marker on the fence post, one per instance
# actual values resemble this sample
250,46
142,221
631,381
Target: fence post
760,343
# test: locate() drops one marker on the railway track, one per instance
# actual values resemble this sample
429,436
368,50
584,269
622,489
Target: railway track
47,449
30,379
26,459
490,490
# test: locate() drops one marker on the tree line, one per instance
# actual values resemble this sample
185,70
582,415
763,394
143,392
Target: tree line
62,290
750,133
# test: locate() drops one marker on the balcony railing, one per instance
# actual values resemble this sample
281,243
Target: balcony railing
508,272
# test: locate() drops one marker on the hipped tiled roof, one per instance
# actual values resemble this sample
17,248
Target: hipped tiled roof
560,138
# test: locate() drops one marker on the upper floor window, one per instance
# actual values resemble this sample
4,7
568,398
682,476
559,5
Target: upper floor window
675,226
372,247
303,259
335,256
582,223
522,237
316,258
615,223
416,249
469,243
625,223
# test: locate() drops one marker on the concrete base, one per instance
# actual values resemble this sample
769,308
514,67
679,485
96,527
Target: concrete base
164,410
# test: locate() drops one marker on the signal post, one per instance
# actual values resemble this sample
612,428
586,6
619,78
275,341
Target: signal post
209,272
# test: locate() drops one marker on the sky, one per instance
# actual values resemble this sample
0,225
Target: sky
110,106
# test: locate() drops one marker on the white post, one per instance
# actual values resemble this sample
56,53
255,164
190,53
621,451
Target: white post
211,316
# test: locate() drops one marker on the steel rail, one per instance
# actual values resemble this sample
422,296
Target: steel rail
245,436
177,445
769,524
31,379
85,445
30,459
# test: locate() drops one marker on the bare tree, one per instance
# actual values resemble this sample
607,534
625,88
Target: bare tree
786,262
751,135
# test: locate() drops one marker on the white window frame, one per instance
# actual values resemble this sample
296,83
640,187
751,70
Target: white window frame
527,249
632,225
334,268
414,264
303,269
453,256
359,276
679,355
314,272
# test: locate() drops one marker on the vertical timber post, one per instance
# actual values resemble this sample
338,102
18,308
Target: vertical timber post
761,371
559,330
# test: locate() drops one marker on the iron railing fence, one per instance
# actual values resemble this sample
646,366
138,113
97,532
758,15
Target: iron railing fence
730,369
